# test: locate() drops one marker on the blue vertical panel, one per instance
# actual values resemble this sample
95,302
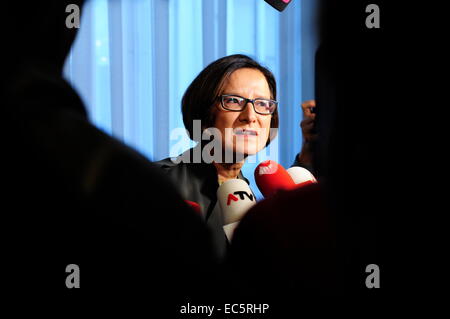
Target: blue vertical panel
144,72
160,65
267,25
186,60
290,84
222,9
214,16
137,77
117,67
210,30
229,28
130,65
240,27
133,60
101,102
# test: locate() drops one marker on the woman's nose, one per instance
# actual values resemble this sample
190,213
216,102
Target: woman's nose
248,114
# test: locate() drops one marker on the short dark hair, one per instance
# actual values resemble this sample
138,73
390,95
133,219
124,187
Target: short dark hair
202,93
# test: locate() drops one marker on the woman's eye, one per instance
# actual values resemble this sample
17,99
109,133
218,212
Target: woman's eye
232,100
262,104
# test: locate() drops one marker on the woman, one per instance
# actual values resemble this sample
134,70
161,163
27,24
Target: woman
236,96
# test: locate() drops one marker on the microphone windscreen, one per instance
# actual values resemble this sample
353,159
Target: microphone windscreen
272,177
301,176
235,199
280,5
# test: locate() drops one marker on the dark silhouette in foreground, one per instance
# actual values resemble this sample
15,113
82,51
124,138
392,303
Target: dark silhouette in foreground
74,195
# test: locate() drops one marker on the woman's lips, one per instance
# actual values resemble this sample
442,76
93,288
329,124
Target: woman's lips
245,132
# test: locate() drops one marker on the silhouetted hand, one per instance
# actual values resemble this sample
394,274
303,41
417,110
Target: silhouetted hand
307,126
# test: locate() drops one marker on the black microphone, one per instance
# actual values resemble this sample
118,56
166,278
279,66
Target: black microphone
278,4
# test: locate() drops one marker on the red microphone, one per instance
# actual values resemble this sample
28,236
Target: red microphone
272,177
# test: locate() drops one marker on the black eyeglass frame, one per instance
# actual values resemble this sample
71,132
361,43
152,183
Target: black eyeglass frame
246,102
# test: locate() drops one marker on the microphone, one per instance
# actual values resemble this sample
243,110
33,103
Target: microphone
272,177
301,176
280,5
235,199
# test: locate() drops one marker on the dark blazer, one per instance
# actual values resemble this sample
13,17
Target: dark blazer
198,182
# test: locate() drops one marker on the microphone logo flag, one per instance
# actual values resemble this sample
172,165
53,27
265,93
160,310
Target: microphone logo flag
230,198
241,194
267,167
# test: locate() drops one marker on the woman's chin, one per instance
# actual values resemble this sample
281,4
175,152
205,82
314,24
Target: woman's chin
239,152
246,151
250,148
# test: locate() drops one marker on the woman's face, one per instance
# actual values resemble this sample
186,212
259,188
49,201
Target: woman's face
248,131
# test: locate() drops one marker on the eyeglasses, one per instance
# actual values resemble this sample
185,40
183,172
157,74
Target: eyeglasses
238,103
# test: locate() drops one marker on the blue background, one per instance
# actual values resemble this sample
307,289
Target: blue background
133,60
